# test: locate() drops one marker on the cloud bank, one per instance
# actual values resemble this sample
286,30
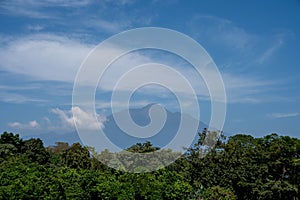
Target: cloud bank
30,125
66,121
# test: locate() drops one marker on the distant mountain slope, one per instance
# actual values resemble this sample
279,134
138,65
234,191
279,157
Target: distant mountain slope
141,117
120,138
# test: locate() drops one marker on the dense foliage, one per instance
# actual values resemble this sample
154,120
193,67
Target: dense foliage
240,167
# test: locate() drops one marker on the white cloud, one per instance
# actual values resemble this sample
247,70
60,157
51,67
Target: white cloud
9,97
35,27
34,8
110,16
239,88
52,57
283,115
30,125
47,120
102,23
121,104
105,25
64,3
82,119
13,87
66,121
33,124
121,2
44,56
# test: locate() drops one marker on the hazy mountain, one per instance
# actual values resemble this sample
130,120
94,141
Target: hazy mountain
140,116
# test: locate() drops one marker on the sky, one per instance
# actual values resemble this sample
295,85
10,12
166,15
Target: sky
255,45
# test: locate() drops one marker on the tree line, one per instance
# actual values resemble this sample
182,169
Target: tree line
238,167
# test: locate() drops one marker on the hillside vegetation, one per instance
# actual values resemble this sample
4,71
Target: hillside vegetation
238,167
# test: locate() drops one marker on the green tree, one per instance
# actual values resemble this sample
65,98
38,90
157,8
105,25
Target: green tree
219,193
35,151
13,139
77,157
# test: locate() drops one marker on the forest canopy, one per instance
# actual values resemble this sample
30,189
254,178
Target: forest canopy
238,167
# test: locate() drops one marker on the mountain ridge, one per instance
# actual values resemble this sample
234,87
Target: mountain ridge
140,116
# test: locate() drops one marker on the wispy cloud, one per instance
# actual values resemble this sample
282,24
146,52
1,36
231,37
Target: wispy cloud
35,27
9,97
105,16
44,56
249,47
56,57
106,25
248,89
27,8
220,31
240,88
35,8
283,115
121,2
15,87
121,104
53,57
270,51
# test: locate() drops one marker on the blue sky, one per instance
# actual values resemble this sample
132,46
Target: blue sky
255,45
